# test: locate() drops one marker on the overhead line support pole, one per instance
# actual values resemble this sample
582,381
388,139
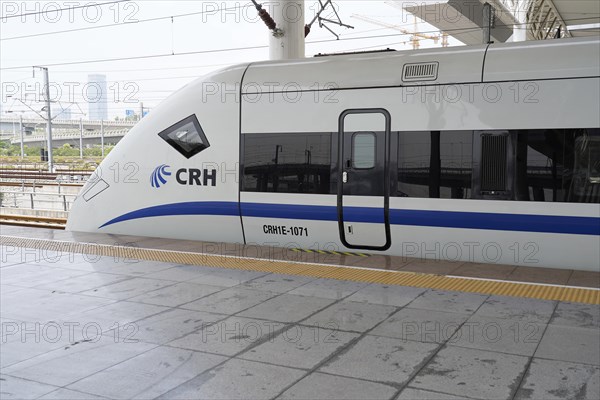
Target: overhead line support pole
21,132
102,137
487,23
49,119
81,138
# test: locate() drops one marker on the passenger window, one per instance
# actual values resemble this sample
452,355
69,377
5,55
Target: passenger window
363,150
186,136
544,165
287,163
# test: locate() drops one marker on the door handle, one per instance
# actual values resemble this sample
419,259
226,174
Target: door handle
344,177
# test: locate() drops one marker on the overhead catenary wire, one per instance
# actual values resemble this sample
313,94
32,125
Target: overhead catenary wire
5,17
177,68
150,56
187,77
187,15
141,21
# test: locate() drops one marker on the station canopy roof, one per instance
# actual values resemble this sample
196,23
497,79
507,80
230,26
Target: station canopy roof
463,19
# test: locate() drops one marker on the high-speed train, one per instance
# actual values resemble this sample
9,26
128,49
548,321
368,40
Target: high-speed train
488,154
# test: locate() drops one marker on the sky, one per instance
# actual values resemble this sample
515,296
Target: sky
34,33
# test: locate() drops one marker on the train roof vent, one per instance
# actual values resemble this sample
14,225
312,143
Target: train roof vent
420,72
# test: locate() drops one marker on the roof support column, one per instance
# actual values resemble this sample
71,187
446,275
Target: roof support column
520,13
287,41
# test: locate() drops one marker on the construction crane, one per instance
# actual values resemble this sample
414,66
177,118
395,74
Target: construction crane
415,35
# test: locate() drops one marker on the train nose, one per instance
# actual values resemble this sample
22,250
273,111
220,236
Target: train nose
82,216
94,187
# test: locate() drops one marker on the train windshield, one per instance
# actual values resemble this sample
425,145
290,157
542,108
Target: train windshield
186,136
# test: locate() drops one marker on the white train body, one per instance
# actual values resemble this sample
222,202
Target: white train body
481,154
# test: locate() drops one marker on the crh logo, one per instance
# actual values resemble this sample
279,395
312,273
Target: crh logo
157,179
184,176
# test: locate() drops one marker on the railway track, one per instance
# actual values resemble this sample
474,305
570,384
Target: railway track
33,221
68,175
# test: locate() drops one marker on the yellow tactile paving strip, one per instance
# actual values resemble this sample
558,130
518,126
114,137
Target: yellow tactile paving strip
400,278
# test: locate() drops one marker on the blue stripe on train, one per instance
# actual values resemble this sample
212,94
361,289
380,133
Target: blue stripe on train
444,219
191,208
497,222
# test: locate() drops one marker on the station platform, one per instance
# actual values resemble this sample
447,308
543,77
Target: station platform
92,316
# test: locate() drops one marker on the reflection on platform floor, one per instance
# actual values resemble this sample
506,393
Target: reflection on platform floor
97,327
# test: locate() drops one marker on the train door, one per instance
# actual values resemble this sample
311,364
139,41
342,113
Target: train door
363,190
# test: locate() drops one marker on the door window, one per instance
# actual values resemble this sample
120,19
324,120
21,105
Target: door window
363,150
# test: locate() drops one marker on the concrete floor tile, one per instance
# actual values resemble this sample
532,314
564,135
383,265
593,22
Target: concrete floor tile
540,275
194,362
81,264
488,271
7,289
10,262
300,347
456,302
325,387
577,314
68,364
167,326
566,343
237,379
557,380
66,394
530,310
285,253
116,314
4,333
178,294
10,255
431,267
226,277
127,289
149,375
472,373
230,301
382,359
277,283
27,275
37,305
39,256
179,273
83,283
139,268
585,279
351,316
500,335
20,389
287,308
421,325
397,296
20,347
328,288
230,336
418,394
377,261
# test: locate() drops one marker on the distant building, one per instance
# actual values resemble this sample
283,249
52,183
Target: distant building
58,113
97,97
